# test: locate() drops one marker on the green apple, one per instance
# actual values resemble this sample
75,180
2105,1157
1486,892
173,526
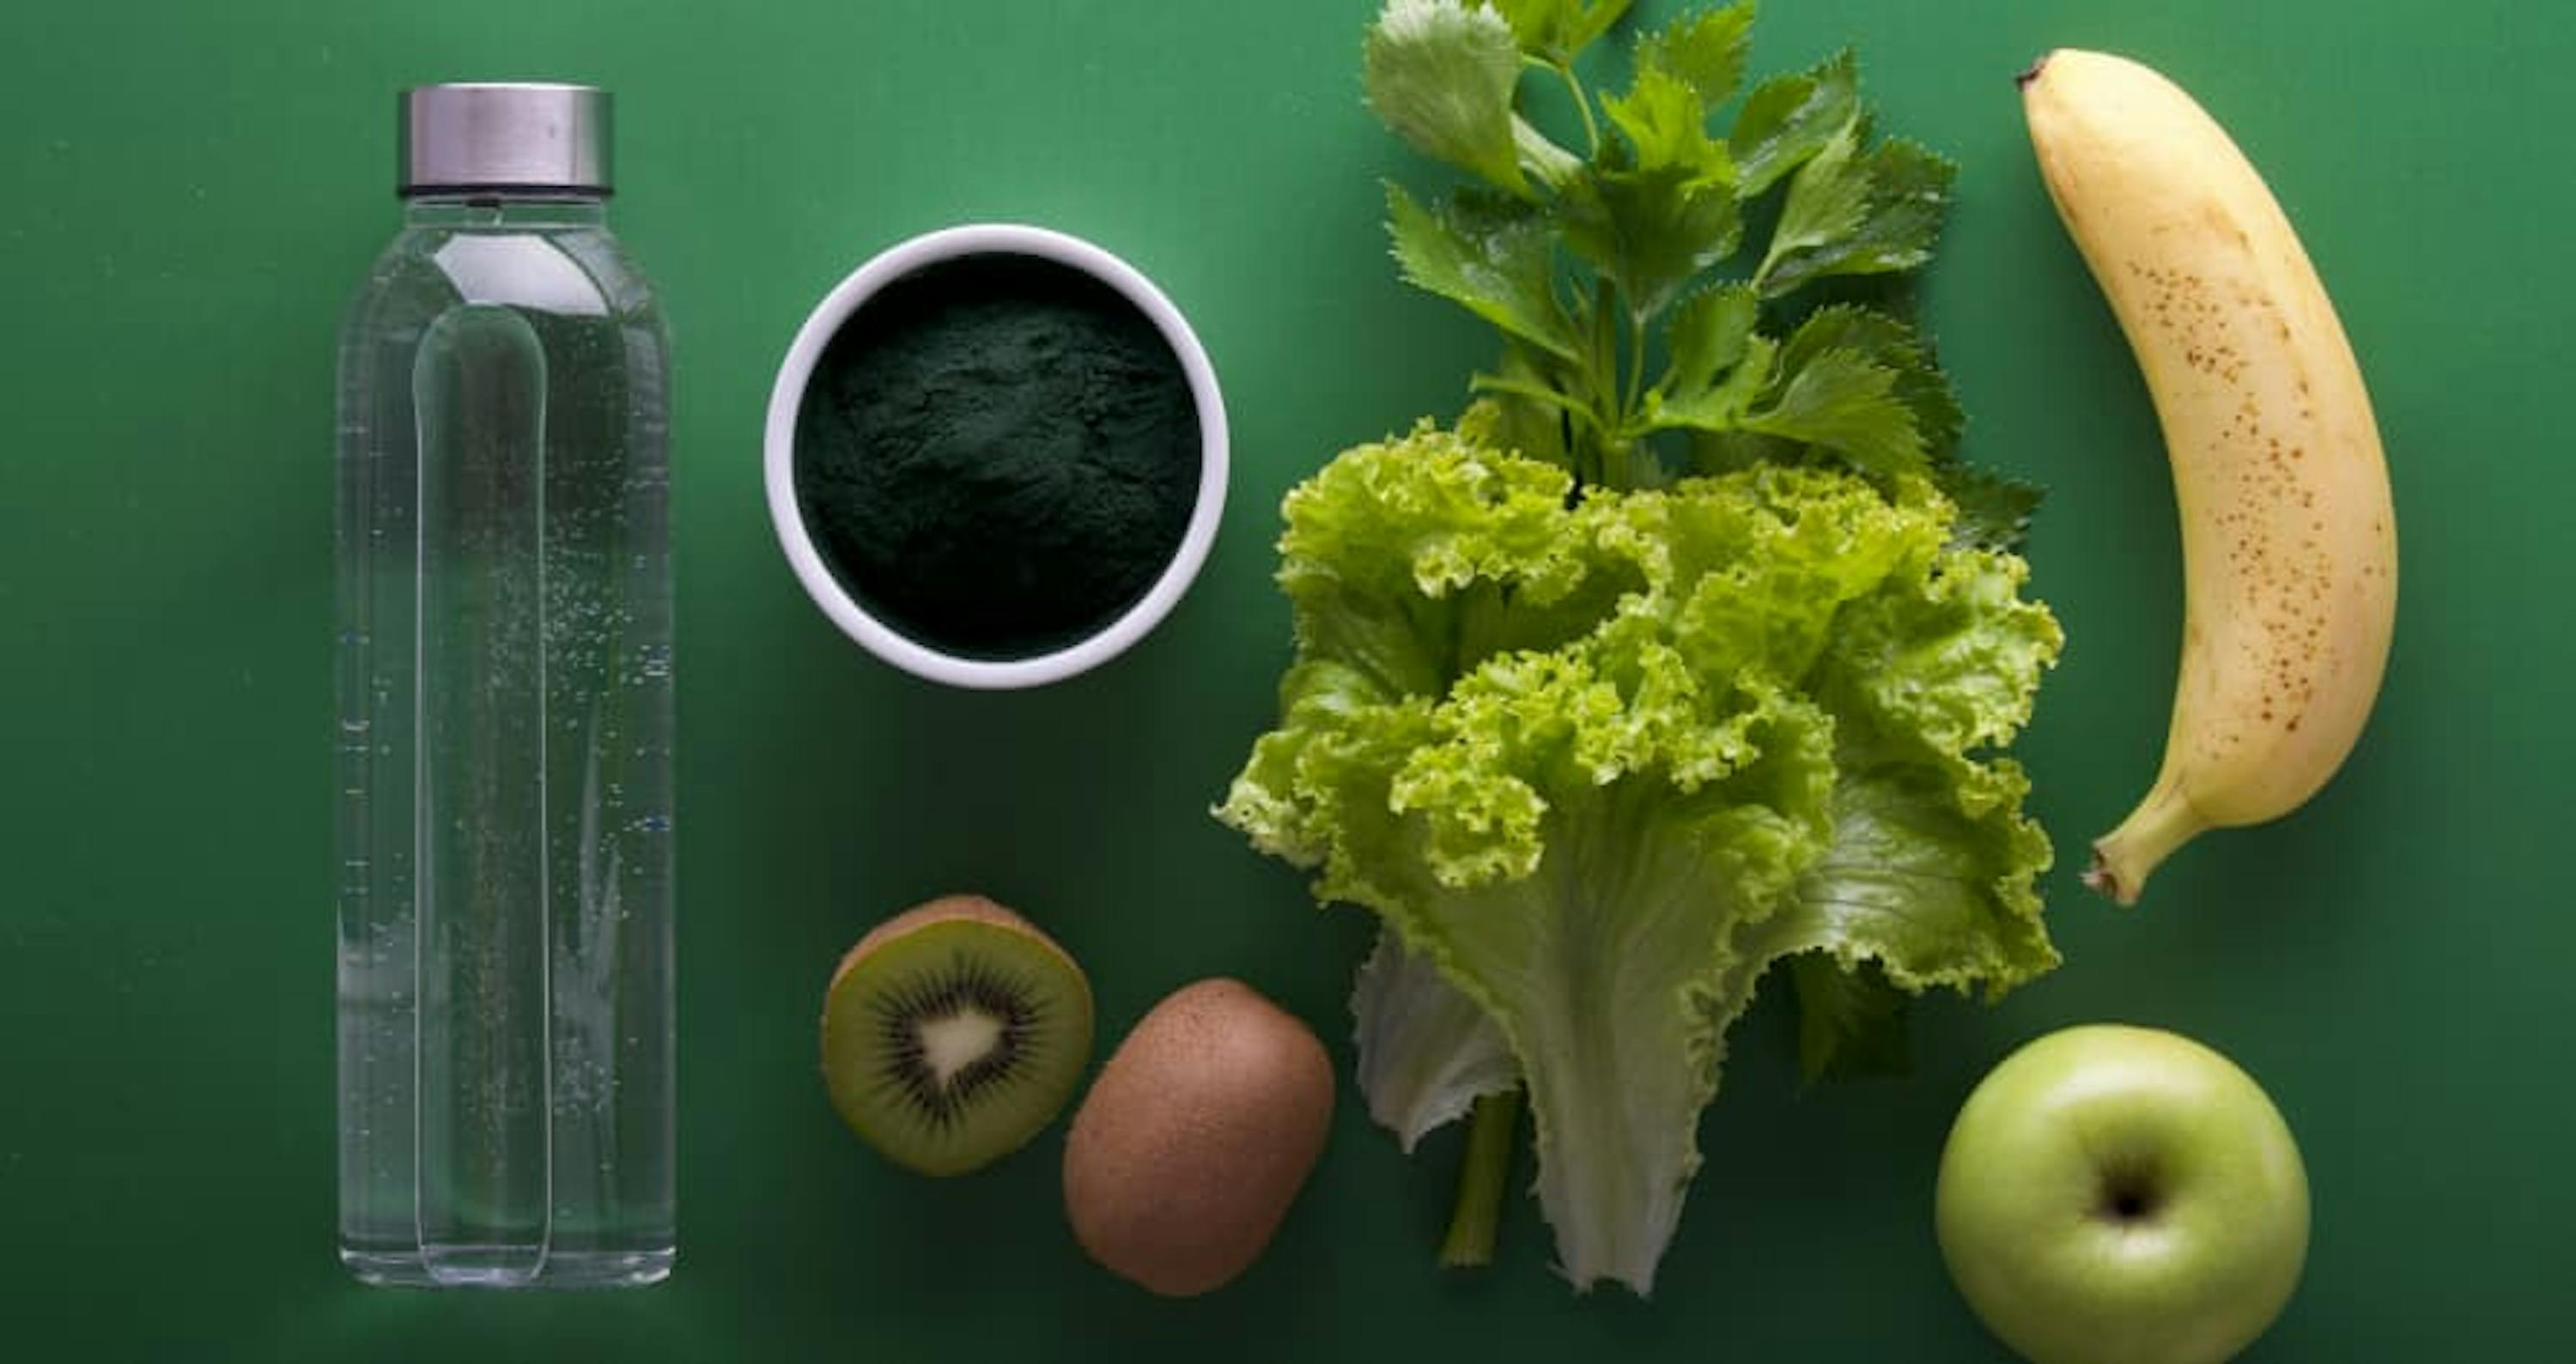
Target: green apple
2119,1195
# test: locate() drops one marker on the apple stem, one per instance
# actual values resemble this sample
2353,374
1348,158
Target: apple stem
1482,1172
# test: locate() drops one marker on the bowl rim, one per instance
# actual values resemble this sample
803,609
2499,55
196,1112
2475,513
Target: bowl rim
796,371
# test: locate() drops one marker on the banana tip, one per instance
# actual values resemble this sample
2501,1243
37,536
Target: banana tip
2030,73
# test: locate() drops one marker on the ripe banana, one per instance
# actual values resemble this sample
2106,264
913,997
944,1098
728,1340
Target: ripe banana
2289,541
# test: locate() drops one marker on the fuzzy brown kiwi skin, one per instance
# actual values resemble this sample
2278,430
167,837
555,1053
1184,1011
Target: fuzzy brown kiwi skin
945,909
1196,1138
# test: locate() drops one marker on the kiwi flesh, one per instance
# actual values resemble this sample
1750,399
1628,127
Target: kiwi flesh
953,1033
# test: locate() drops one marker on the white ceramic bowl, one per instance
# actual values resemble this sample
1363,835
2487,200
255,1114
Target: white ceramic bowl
894,263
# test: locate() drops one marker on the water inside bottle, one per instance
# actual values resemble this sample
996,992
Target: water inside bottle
505,1059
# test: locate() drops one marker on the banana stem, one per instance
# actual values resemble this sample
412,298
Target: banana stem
2122,858
1482,1173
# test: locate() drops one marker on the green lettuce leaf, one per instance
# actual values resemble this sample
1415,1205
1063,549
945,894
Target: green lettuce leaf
1598,762
1427,1053
1850,1022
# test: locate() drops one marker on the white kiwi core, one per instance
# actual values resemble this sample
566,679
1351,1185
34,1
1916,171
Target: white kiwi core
955,1040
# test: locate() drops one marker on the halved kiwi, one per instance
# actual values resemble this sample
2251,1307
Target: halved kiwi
952,1033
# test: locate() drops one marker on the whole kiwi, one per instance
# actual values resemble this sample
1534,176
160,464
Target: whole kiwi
1193,1142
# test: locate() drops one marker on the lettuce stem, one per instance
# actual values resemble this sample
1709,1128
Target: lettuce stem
1482,1172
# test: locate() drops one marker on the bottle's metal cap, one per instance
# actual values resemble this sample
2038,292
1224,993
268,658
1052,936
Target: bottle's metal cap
470,136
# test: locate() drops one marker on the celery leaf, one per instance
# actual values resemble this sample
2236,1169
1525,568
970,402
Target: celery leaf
1442,76
1852,212
1847,403
1704,51
1491,254
1788,119
1650,231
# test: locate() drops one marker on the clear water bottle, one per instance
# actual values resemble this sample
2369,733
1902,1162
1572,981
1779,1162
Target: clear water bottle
505,720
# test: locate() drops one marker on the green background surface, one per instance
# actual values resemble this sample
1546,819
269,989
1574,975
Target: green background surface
189,192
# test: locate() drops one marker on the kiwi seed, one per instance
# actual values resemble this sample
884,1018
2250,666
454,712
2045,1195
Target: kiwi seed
953,1033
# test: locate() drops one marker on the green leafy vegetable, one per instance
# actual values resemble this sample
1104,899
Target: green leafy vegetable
1599,764
1704,51
1788,119
1857,213
1582,255
1442,76
1426,1051
1842,401
1994,509
1494,256
1648,231
1666,124
1850,1022
1690,649
1557,29
1711,333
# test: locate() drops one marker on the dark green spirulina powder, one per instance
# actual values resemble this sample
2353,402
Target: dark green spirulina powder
997,455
